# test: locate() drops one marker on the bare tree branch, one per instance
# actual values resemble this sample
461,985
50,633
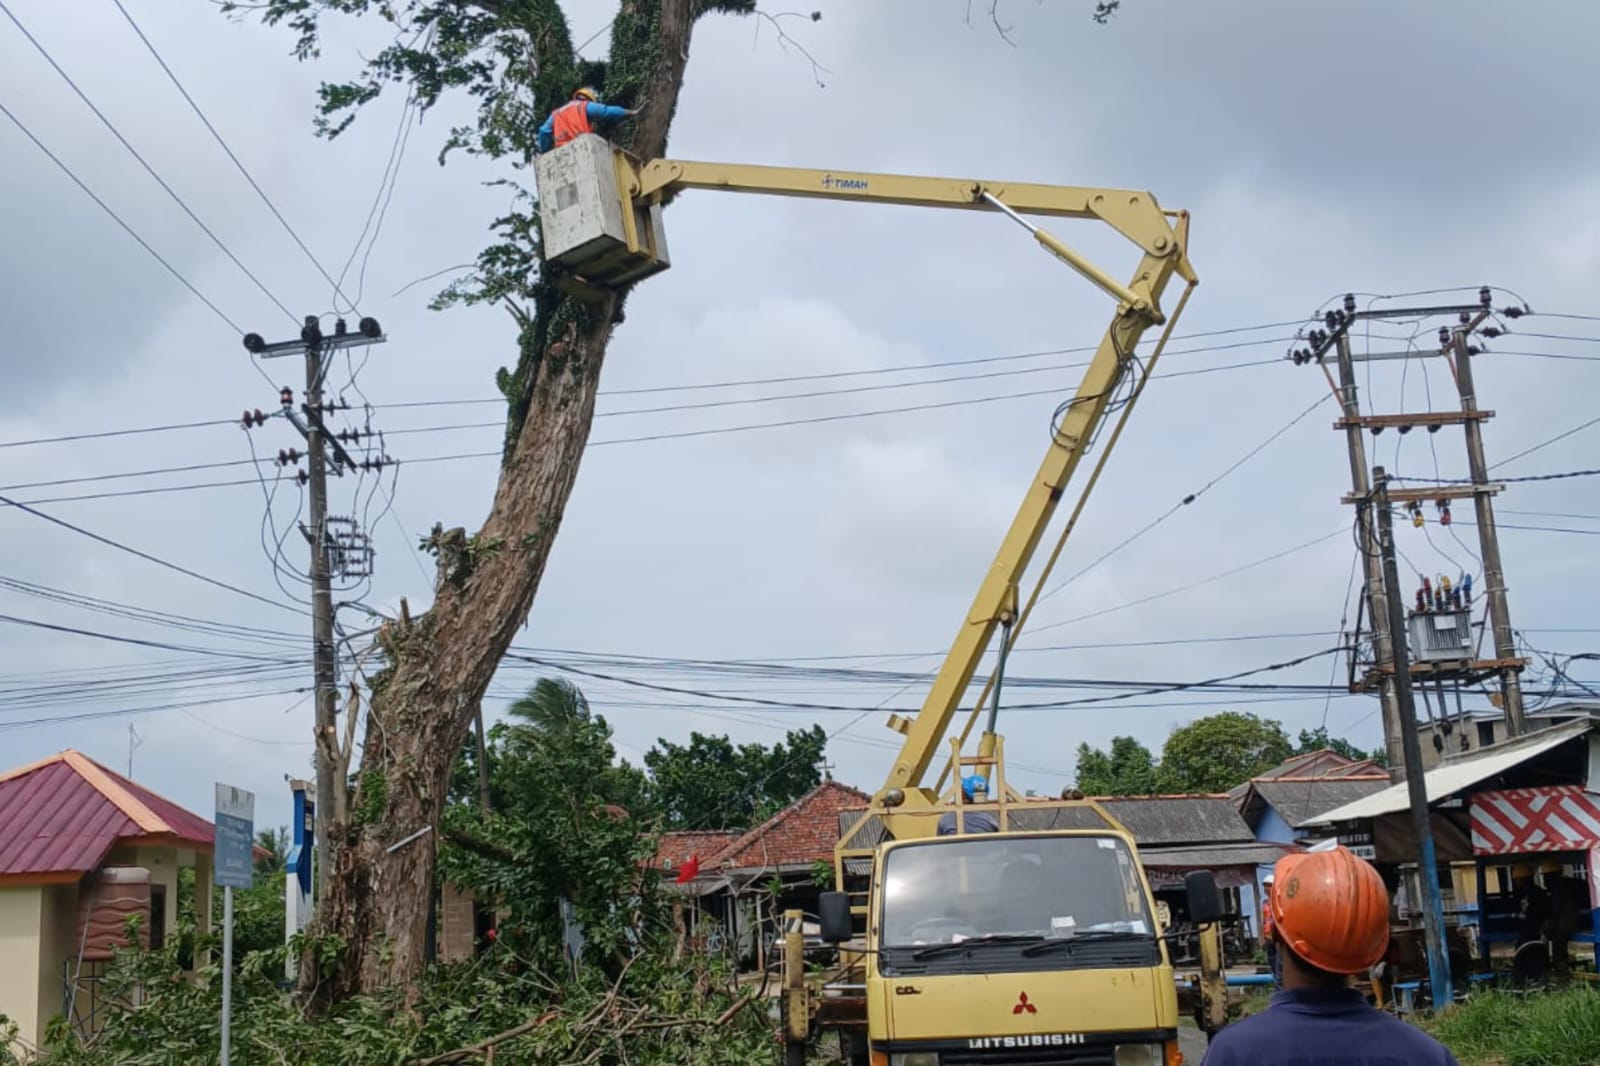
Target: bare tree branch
785,42
994,17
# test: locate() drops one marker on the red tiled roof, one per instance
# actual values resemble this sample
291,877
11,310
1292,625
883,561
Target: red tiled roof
801,833
61,815
677,846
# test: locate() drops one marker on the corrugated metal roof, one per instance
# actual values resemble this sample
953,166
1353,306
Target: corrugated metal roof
1298,802
1155,820
1453,775
61,815
1205,858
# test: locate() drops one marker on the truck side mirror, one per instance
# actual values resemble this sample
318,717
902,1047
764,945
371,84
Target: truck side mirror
1204,897
833,908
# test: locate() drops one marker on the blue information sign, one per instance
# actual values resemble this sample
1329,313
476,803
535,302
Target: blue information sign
233,861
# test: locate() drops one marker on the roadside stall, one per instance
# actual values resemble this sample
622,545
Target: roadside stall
1537,854
1523,782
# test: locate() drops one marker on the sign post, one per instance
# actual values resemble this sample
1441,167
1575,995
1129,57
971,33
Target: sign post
232,867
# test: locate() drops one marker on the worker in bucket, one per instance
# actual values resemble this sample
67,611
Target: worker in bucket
974,789
1330,918
584,113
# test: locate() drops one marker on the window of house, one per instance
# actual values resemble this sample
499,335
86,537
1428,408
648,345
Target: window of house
158,917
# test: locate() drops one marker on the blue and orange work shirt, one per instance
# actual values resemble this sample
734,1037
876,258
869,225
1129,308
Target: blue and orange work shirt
573,119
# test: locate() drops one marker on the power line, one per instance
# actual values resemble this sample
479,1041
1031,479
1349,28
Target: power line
149,616
1193,584
89,478
1546,443
675,388
905,368
1153,688
1529,477
161,645
123,712
396,149
230,153
118,433
146,555
142,162
1188,499
26,132
669,435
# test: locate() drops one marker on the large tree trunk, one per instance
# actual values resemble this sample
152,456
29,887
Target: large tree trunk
440,665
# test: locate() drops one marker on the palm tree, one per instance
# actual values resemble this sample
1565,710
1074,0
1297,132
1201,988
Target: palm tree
275,842
553,706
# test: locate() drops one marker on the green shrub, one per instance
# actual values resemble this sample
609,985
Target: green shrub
657,1012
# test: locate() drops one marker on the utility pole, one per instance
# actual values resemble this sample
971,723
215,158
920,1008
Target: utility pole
1440,627
1416,783
316,348
1383,635
484,796
324,659
1494,578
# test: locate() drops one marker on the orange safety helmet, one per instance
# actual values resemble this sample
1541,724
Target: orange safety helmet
1331,909
586,93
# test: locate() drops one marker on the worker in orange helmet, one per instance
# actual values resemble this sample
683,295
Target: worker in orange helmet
1330,919
582,114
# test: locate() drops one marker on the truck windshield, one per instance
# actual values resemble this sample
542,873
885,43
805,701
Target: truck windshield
1001,889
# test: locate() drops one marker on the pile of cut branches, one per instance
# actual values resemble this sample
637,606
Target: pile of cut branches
498,1010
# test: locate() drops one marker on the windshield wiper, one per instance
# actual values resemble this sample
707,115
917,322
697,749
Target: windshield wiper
988,938
1088,936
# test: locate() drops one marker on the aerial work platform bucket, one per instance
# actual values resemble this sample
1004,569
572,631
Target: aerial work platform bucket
588,221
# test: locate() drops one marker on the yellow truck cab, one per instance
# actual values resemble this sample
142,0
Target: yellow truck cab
1015,948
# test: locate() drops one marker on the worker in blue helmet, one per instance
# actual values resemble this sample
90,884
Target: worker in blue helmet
974,789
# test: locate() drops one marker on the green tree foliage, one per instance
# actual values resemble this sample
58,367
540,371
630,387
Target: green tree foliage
258,911
1215,753
1316,739
710,783
1129,769
560,827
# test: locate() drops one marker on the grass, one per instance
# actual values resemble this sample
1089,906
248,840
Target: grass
1560,1028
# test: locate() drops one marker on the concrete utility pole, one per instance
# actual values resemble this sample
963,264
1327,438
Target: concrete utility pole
316,348
484,796
1494,578
1377,598
1416,784
1446,651
324,657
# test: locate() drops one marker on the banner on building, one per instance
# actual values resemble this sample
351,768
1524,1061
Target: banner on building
1517,821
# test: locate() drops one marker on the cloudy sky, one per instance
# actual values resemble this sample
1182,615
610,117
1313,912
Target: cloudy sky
839,518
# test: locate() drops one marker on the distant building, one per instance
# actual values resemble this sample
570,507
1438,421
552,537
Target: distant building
732,907
1279,804
1485,726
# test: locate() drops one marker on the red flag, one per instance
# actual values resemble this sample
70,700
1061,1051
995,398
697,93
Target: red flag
688,871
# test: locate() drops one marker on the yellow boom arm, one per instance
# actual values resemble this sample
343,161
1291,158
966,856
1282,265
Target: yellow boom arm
1136,215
